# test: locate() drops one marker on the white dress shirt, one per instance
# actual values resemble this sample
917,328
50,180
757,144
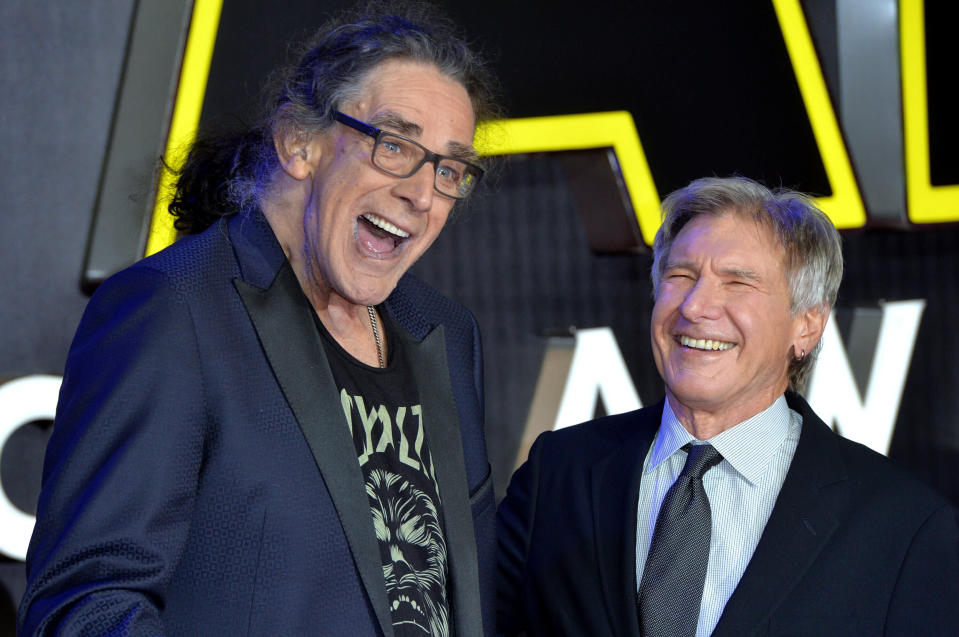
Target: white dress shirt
742,490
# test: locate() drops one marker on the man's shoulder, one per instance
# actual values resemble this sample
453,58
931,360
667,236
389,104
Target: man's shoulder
191,253
877,480
600,436
878,476
415,292
198,256
419,307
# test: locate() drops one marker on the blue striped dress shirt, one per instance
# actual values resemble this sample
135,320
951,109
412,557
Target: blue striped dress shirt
742,490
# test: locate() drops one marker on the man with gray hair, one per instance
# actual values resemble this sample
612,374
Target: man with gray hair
729,508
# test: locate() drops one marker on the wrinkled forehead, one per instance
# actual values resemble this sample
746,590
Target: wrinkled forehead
756,224
417,100
405,78
730,241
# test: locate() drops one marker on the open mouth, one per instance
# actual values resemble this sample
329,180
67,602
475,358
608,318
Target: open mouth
379,236
704,344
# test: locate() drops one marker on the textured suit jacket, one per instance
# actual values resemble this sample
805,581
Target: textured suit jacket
853,547
201,478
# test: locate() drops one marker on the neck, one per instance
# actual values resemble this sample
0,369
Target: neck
706,423
284,211
347,322
352,327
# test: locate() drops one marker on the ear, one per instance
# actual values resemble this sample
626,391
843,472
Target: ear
297,154
809,328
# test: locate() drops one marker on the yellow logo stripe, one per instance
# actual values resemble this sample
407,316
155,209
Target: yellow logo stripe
844,206
614,130
925,203
186,113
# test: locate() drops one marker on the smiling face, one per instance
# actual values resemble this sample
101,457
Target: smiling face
362,229
722,333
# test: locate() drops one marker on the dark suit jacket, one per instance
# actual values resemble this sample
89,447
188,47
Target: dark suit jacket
201,478
853,546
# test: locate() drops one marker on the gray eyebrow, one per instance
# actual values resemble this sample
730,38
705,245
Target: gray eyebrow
672,265
395,122
464,152
743,273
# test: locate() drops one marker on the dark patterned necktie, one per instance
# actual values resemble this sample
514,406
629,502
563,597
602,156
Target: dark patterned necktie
671,590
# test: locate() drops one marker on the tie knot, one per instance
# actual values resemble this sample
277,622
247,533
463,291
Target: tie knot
700,459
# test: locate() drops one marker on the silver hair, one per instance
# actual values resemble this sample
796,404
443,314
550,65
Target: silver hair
811,245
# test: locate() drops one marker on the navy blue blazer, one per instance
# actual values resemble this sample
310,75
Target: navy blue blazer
201,479
853,546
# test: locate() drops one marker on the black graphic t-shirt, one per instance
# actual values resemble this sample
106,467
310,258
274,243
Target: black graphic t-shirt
384,415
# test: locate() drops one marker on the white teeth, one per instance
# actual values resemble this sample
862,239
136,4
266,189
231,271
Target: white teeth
380,222
704,343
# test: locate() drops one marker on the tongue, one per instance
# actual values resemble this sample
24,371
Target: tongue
374,239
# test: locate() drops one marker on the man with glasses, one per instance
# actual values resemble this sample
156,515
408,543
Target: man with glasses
270,427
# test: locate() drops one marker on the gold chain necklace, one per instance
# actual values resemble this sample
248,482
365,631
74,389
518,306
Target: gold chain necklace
376,335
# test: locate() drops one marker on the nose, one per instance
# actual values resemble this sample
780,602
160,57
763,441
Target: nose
703,301
417,189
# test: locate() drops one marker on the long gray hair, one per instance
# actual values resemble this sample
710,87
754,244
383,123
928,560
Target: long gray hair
223,175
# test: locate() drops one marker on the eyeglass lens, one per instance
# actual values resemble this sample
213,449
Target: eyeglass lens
400,157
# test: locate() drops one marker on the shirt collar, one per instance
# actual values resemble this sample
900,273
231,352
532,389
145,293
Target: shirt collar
669,439
748,446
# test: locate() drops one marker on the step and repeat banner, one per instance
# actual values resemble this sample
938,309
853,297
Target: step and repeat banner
610,107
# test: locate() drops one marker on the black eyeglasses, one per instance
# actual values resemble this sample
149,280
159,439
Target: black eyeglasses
402,157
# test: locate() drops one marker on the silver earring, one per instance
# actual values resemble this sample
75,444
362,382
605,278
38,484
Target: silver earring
802,355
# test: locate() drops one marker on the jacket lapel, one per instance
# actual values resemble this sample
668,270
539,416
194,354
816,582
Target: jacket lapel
283,321
615,491
428,361
801,524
